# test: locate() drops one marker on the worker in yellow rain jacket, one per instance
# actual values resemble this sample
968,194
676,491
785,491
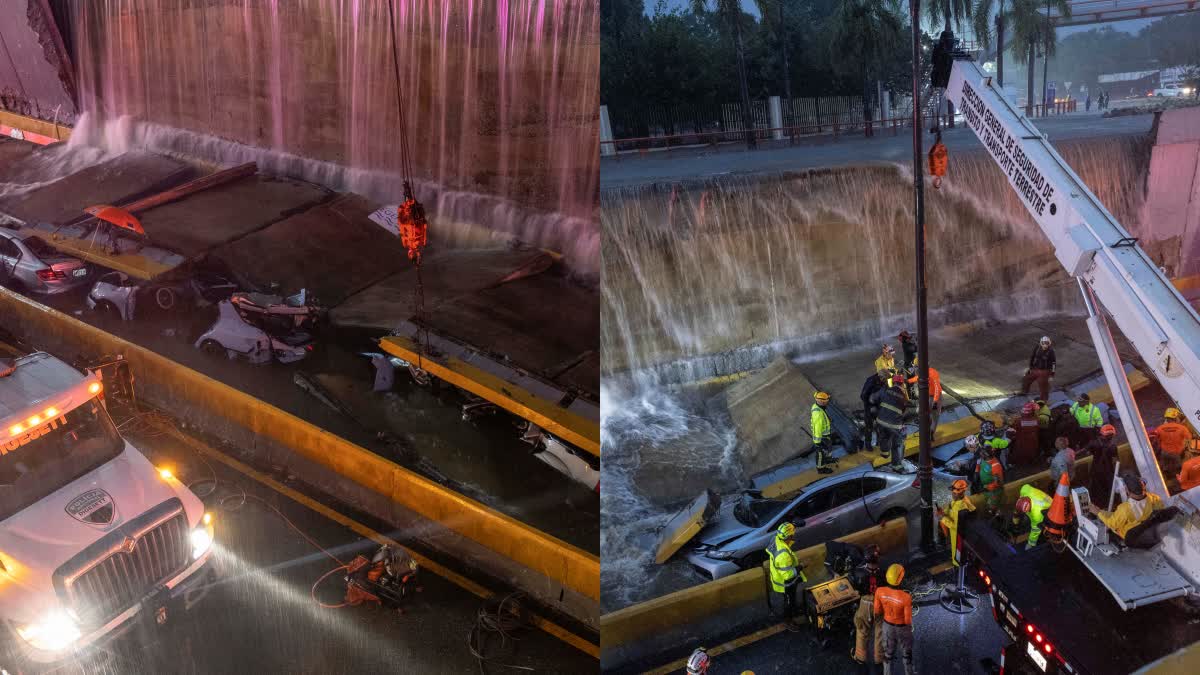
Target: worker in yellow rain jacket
959,501
886,360
822,432
785,570
1133,512
1033,503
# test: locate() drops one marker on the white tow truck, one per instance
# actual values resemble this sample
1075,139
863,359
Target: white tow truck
1101,607
93,538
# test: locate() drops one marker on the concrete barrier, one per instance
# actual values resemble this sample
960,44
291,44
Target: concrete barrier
564,576
32,130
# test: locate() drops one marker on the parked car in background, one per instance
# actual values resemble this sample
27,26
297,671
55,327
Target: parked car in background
1172,91
737,537
29,264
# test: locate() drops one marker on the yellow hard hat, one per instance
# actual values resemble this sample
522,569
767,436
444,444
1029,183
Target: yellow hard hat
787,530
1172,413
916,359
821,397
895,574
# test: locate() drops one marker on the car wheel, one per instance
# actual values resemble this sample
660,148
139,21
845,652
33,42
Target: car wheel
212,348
751,561
165,298
891,514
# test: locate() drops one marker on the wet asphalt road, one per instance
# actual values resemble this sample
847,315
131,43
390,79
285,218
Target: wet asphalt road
259,617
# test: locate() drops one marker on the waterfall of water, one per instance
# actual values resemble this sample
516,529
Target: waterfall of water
501,125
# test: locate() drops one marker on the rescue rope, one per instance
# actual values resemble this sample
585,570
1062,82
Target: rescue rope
411,223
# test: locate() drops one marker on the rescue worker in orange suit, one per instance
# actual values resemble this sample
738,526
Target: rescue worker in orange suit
886,360
991,478
1173,439
1189,475
935,395
895,606
1104,464
1041,368
868,631
959,502
1027,447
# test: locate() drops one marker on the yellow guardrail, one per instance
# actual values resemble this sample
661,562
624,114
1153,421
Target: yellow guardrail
578,431
557,560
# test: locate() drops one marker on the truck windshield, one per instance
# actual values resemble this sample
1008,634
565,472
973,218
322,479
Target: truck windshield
48,457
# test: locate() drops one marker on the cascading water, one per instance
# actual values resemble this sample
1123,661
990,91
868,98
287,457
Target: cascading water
719,276
501,126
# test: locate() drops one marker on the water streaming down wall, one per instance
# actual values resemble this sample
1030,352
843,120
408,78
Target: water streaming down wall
719,276
712,277
499,98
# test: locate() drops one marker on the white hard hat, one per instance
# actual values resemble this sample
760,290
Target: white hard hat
698,662
972,441
1045,339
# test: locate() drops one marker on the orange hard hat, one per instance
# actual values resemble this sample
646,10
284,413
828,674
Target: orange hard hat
1108,430
959,485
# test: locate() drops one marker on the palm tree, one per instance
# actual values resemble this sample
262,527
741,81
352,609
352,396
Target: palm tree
981,25
730,11
863,34
948,12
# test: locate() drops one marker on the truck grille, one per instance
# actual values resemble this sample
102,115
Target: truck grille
122,568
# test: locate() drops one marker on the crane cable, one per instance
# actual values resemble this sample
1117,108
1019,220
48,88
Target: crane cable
411,224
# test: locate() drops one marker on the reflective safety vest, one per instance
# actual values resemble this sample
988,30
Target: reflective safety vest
820,424
991,474
885,363
1039,504
1043,416
1088,415
783,565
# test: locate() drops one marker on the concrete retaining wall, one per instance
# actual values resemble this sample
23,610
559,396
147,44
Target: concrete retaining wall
558,574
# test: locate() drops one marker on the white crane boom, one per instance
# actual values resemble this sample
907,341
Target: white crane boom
1112,271
1095,249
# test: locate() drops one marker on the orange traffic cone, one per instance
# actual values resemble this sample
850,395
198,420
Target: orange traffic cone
1061,513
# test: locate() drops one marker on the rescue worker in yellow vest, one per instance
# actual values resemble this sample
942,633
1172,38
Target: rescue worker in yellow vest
785,571
1132,512
821,432
1088,416
959,502
1045,432
886,360
1033,503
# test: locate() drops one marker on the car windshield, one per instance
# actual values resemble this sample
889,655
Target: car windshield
39,247
753,512
42,460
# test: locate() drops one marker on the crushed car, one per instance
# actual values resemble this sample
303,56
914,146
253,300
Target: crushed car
736,534
232,336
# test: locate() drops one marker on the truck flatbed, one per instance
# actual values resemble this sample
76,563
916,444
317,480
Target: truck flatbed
1076,613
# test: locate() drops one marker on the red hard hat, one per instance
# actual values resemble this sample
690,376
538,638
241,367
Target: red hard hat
1024,504
1108,430
1029,409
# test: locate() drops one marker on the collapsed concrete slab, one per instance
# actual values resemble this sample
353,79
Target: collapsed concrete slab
770,410
445,274
198,222
114,181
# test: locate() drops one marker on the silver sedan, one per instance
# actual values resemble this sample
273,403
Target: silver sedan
737,537
29,264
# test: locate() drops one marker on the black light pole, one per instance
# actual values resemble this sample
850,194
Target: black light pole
925,470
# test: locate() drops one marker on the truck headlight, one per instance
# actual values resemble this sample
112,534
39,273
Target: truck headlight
202,537
54,633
